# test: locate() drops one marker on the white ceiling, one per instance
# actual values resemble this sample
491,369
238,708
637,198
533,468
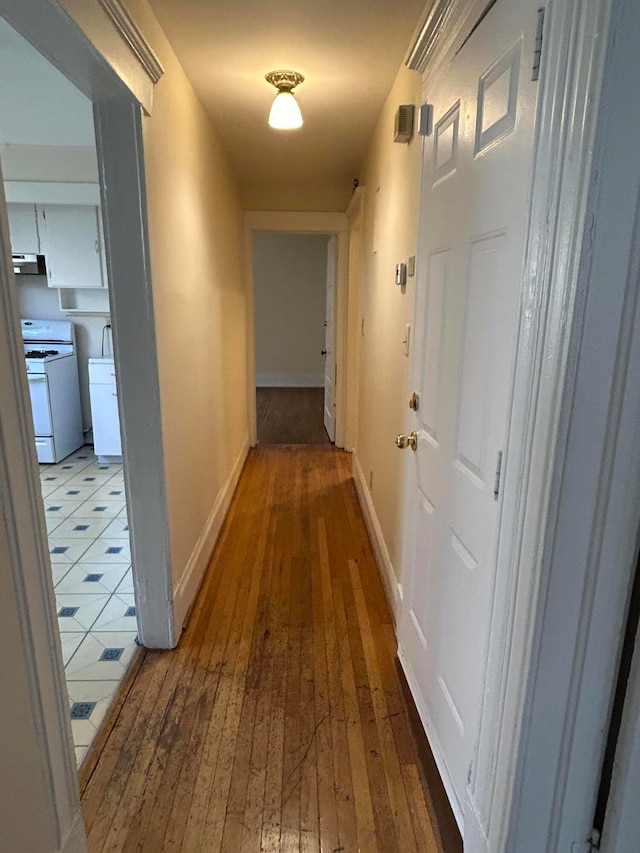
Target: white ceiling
349,52
38,105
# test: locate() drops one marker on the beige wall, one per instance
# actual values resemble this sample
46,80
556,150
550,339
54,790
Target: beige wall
324,195
389,235
195,234
289,285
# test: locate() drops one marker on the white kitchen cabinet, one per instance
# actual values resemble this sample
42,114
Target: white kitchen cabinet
105,416
23,229
71,241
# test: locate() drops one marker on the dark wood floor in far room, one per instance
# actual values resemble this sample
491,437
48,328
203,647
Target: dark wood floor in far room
291,416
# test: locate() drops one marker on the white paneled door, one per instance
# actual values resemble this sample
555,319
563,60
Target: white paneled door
476,188
329,342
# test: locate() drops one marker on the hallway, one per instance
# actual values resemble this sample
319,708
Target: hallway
280,722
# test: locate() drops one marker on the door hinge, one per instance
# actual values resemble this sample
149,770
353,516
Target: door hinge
537,48
591,843
496,482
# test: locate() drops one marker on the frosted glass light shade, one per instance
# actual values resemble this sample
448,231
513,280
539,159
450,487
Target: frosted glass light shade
285,113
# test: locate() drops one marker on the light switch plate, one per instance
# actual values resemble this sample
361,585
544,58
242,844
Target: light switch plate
406,341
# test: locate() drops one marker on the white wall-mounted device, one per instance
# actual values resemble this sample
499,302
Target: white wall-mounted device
425,120
401,274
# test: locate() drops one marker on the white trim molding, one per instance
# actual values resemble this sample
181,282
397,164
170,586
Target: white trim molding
586,545
187,590
129,31
429,34
392,585
112,32
447,24
119,146
289,380
75,841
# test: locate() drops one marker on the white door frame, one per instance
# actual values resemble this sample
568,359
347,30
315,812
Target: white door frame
532,784
31,641
591,534
354,214
300,223
120,159
25,566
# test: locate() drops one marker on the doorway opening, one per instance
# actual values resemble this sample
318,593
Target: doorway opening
50,172
294,279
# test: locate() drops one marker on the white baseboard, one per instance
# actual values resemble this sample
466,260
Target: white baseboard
290,380
187,588
434,743
392,586
75,841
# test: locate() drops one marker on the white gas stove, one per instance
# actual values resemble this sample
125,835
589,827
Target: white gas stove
52,368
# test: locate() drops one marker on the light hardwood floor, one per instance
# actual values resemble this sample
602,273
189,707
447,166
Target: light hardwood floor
280,722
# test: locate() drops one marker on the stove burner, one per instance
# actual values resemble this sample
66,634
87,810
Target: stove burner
40,353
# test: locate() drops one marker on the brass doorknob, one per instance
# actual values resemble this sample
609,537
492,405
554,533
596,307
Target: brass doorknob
403,441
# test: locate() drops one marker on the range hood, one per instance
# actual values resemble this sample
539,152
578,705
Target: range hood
29,264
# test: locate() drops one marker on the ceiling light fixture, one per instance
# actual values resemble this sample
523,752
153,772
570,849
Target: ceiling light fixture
285,113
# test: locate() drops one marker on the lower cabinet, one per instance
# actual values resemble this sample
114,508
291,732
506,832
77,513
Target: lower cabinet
104,409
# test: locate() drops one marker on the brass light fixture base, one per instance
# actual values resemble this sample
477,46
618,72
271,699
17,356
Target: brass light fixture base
284,81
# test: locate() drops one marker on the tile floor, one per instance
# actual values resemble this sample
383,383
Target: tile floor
86,513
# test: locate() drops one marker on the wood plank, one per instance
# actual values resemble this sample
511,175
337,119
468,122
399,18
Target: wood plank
422,826
327,808
395,782
341,759
133,816
118,786
260,679
365,823
214,739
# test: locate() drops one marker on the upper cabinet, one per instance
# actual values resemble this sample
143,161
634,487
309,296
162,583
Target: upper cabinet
71,241
23,228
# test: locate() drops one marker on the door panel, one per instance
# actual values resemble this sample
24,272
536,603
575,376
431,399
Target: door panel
477,167
40,408
329,343
432,320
